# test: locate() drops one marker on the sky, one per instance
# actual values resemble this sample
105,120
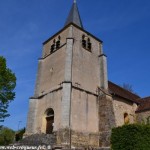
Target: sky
123,26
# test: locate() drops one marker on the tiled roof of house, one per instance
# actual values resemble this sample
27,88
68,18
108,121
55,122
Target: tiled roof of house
121,92
144,104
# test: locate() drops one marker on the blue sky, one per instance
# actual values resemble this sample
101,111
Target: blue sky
123,25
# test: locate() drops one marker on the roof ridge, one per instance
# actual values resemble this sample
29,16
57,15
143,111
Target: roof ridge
144,98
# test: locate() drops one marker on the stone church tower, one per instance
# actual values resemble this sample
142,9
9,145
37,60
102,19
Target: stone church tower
71,98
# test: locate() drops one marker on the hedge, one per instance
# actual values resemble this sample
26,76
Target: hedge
19,134
131,137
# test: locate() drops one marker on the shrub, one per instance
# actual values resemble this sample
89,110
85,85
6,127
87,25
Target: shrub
6,136
131,137
19,134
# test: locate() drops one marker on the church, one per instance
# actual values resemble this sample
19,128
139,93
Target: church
73,98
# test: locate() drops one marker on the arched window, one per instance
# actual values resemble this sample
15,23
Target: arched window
126,118
89,44
83,41
58,42
55,45
52,48
59,37
86,43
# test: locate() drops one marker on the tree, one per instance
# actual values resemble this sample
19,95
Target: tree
128,87
7,136
7,85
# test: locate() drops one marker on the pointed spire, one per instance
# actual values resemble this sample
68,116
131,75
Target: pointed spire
74,16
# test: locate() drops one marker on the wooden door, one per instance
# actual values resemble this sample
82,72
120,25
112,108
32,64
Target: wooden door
49,125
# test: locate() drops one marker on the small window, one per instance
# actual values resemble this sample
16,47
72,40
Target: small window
86,43
52,48
83,37
126,118
59,37
57,44
89,46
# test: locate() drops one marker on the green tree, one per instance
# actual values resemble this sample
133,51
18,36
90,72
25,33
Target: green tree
7,85
7,136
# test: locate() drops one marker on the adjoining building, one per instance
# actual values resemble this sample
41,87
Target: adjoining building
73,98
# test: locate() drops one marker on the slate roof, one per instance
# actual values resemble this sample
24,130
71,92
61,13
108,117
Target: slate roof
74,16
144,104
114,89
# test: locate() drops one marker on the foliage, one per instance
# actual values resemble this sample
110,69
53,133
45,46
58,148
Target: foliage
19,134
128,87
6,136
7,85
148,120
131,137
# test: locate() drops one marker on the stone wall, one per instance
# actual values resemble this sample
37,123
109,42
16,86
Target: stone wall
52,71
143,117
51,100
84,140
84,112
79,140
51,67
122,106
106,119
86,65
31,120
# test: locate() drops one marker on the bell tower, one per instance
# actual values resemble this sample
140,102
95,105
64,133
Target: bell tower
65,101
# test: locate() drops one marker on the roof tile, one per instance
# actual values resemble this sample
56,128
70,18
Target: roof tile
119,91
144,104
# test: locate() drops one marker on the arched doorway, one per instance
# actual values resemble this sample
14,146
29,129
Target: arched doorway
49,121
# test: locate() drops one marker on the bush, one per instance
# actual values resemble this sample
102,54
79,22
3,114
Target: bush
6,136
19,134
131,137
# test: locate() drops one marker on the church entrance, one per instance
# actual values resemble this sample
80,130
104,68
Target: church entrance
49,121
